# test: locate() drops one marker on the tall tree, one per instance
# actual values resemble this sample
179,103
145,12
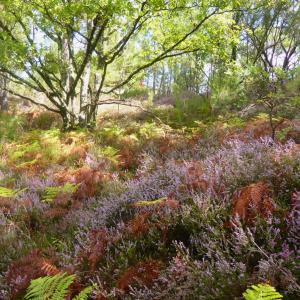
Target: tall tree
273,31
65,49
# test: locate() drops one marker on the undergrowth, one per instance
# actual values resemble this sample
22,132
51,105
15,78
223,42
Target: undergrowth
139,209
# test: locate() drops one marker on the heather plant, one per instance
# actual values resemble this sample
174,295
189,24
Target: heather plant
167,226
15,240
164,162
239,164
186,278
293,222
36,183
198,226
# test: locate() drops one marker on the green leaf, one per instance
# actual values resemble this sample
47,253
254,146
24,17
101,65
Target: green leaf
9,193
262,292
144,203
51,192
84,294
54,288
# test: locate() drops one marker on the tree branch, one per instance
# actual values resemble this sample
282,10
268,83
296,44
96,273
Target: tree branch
145,66
31,100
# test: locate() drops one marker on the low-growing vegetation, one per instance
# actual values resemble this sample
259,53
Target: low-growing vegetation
141,210
149,150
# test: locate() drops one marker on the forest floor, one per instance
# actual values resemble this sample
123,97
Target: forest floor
149,209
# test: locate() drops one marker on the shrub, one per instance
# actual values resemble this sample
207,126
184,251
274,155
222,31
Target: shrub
138,92
11,126
46,120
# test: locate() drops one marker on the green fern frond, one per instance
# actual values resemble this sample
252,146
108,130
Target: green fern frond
22,150
262,292
62,287
27,163
9,193
110,153
144,203
49,287
36,289
51,192
54,288
83,295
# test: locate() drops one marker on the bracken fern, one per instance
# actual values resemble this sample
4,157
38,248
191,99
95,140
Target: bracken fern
51,192
9,193
54,288
262,292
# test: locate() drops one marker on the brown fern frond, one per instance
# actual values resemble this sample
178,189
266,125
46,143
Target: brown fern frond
251,201
49,269
139,224
143,274
23,270
95,249
56,212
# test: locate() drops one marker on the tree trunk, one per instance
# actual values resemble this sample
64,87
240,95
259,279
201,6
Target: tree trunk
3,94
236,19
85,100
67,78
94,108
66,71
84,94
272,125
70,121
154,82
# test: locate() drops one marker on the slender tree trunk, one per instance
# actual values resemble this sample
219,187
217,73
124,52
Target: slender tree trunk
154,82
97,83
85,100
236,18
3,94
84,94
93,107
70,115
160,91
272,125
170,80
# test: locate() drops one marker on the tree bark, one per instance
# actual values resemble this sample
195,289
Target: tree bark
84,94
67,76
3,94
236,19
85,100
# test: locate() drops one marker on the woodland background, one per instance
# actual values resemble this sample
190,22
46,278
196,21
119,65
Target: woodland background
149,149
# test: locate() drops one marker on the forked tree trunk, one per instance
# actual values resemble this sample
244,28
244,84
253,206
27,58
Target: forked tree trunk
71,122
